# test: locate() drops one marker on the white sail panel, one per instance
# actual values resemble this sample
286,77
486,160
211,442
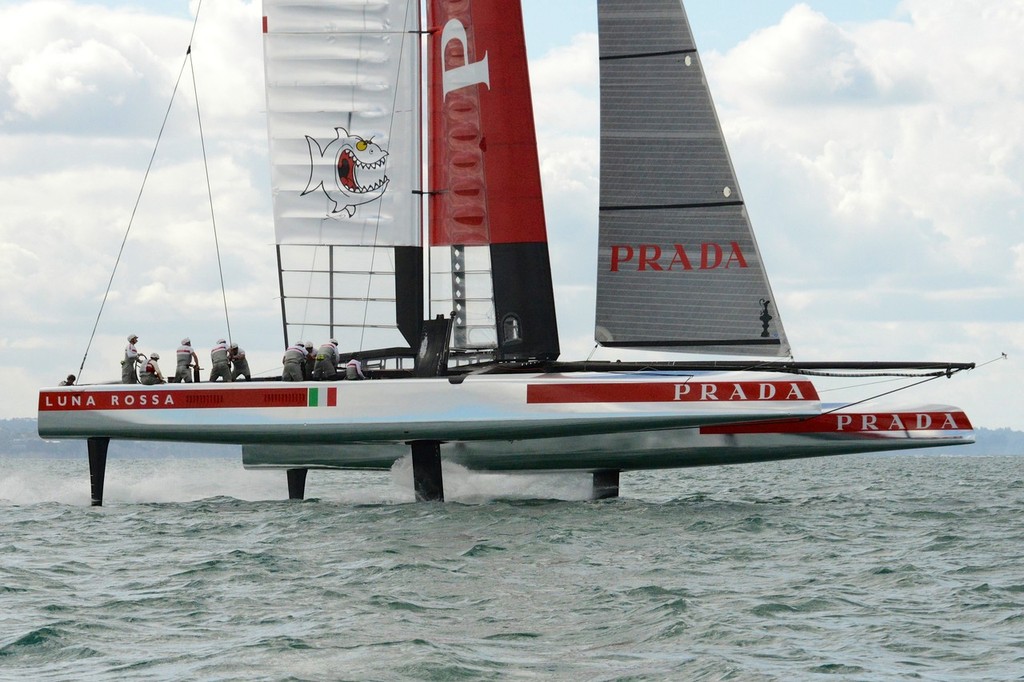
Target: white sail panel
343,114
678,265
346,293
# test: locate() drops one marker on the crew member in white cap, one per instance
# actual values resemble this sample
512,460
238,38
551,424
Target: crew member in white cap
129,375
187,359
239,365
219,357
326,367
293,360
354,370
307,368
151,373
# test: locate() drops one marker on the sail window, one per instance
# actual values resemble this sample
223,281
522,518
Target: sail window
511,329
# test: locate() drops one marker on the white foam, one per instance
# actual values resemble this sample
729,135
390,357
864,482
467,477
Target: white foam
474,487
187,479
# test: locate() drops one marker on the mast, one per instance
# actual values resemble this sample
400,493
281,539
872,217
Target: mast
489,254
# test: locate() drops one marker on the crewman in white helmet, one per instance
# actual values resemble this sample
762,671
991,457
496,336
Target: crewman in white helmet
293,360
326,367
129,373
221,364
151,373
239,365
307,368
187,360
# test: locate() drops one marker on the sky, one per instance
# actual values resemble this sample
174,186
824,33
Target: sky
878,146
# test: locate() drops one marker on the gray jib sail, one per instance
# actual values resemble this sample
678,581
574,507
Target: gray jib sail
678,266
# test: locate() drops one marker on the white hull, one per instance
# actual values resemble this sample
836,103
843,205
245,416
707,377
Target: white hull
835,434
496,407
555,422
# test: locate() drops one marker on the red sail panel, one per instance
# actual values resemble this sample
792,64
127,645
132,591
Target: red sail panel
483,147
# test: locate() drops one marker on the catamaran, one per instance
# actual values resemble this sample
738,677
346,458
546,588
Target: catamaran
442,287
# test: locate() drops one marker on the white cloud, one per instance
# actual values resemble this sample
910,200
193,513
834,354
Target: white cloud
567,112
83,90
63,73
1017,250
892,145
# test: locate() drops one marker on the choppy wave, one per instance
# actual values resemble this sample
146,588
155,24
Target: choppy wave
867,568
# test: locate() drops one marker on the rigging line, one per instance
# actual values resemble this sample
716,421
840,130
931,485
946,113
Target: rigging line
879,395
138,198
847,405
209,192
865,375
380,202
309,286
892,376
1002,356
872,383
308,298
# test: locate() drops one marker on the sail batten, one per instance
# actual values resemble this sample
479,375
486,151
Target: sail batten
639,55
678,265
659,207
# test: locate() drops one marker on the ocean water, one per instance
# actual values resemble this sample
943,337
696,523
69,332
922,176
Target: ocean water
905,567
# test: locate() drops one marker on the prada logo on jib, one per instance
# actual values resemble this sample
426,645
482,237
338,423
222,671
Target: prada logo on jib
676,257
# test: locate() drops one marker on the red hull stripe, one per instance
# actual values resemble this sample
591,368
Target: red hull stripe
693,391
156,398
861,422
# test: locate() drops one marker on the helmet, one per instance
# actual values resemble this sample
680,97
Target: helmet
132,336
221,341
233,346
154,356
309,344
186,341
333,342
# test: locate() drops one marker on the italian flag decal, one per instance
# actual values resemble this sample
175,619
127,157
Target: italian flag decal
322,397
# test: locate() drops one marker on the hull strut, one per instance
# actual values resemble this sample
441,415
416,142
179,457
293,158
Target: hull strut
297,483
606,484
426,470
97,467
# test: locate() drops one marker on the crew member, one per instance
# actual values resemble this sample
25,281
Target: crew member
187,360
151,373
354,370
326,366
239,365
294,362
307,368
221,365
129,375
69,381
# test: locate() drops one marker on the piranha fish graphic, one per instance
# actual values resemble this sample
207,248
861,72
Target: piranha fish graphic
348,169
